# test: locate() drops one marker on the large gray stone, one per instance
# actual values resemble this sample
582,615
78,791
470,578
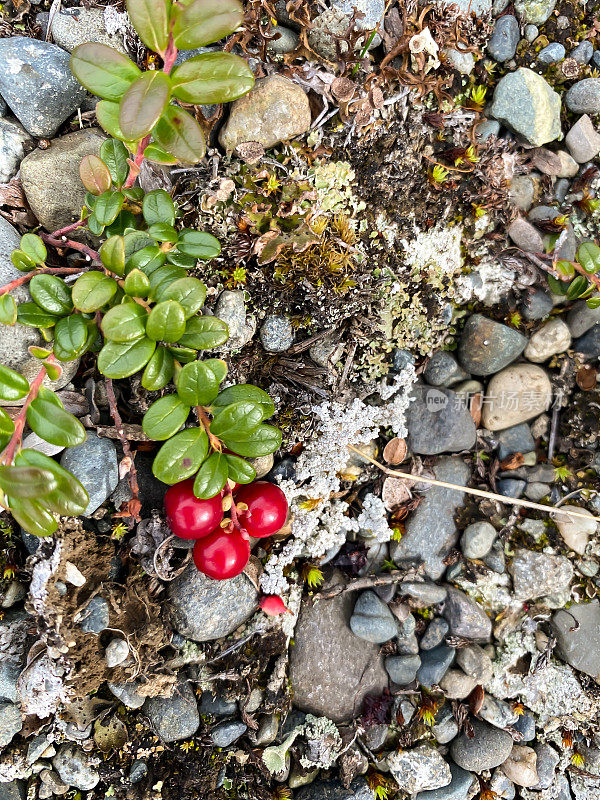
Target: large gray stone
37,84
504,39
13,636
15,790
578,636
581,318
589,343
74,26
526,104
539,574
94,464
10,722
534,12
457,789
176,717
465,617
486,346
438,421
203,609
419,769
431,531
488,748
518,393
434,665
14,139
584,96
331,670
583,140
332,789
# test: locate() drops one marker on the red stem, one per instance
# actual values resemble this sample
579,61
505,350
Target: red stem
46,271
135,165
233,511
68,228
82,248
170,56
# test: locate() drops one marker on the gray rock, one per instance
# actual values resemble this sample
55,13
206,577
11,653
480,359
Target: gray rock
176,717
226,733
539,574
335,21
511,487
487,128
217,705
551,53
488,748
443,370
372,620
459,60
537,305
152,491
276,333
481,8
584,96
13,636
525,235
525,725
94,464
438,421
445,728
502,786
286,42
581,318
95,616
523,190
534,12
14,140
517,394
434,634
456,685
15,790
419,769
589,343
536,491
51,177
11,723
38,85
531,32
138,771
526,104
74,26
583,52
504,39
474,661
401,359
434,665
231,308
332,789
552,338
74,769
547,761
402,669
424,592
116,652
477,539
127,694
486,346
465,617
275,110
561,189
267,730
517,439
348,668
203,609
581,647
457,789
583,141
497,712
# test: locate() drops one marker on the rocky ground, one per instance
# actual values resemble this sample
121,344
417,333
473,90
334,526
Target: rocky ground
389,212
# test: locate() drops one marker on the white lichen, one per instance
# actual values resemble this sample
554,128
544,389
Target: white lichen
323,743
372,520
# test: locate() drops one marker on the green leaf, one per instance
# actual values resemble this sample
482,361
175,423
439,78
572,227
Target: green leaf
22,261
137,284
51,294
593,302
237,420
158,207
577,287
121,359
190,293
556,286
53,370
12,385
112,254
115,155
178,133
156,154
102,70
212,78
35,248
263,440
94,174
32,516
70,337
70,497
54,424
94,225
245,392
183,354
34,316
218,367
150,18
565,268
177,258
7,428
125,323
240,470
166,322
39,352
108,206
198,244
162,277
8,309
211,477
197,384
163,232
159,370
147,259
107,114
204,333
180,457
92,291
165,417
26,481
143,103
200,22
136,241
588,255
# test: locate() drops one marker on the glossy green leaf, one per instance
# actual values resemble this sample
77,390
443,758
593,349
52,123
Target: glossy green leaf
121,359
180,457
240,470
165,417
22,261
94,174
177,258
39,352
577,287
166,322
92,291
137,284
204,333
565,268
107,114
163,232
156,154
163,277
200,22
7,428
94,225
190,293
218,367
588,255
34,247
158,207
115,155
245,392
197,384
70,337
12,385
102,70
211,477
69,497
143,103
54,424
198,244
212,78
108,206
32,516
593,302
150,18
178,133
159,370
51,293
183,354
53,370
50,397
112,254
8,309
136,241
125,323
556,286
237,419
34,316
147,259
263,440
26,481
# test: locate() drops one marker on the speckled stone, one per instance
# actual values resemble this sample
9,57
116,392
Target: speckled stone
176,717
488,748
526,103
487,346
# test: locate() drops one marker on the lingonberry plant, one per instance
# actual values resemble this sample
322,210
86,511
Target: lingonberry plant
579,279
133,302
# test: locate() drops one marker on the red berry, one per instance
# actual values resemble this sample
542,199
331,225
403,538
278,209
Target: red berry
267,508
189,517
273,605
222,555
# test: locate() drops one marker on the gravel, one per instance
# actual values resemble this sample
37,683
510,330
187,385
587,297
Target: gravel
372,620
525,103
581,318
402,669
94,464
517,439
488,748
176,717
520,766
551,53
74,768
217,705
332,789
226,733
95,617
434,634
443,370
552,338
276,333
525,235
583,52
74,26
477,539
530,393
474,661
231,308
419,769
486,346
334,20
434,665
504,39
576,531
537,305
465,617
534,12
14,141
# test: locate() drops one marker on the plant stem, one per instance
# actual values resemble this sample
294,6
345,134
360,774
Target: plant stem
68,228
136,164
8,287
93,255
16,438
134,504
170,56
205,422
590,276
233,510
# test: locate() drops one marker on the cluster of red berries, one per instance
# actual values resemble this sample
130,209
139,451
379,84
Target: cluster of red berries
222,548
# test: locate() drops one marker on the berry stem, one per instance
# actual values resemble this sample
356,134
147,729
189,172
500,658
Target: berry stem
233,511
8,287
204,420
68,228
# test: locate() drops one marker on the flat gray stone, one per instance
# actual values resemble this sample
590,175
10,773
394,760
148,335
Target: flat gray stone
434,634
583,140
203,609
11,722
127,694
581,318
14,141
402,669
419,769
525,236
517,439
554,52
15,790
443,370
276,333
176,717
539,574
486,346
434,665
74,26
465,617
372,620
457,789
94,464
438,421
226,733
581,647
526,103
488,748
335,19
589,343
231,308
477,539
537,305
